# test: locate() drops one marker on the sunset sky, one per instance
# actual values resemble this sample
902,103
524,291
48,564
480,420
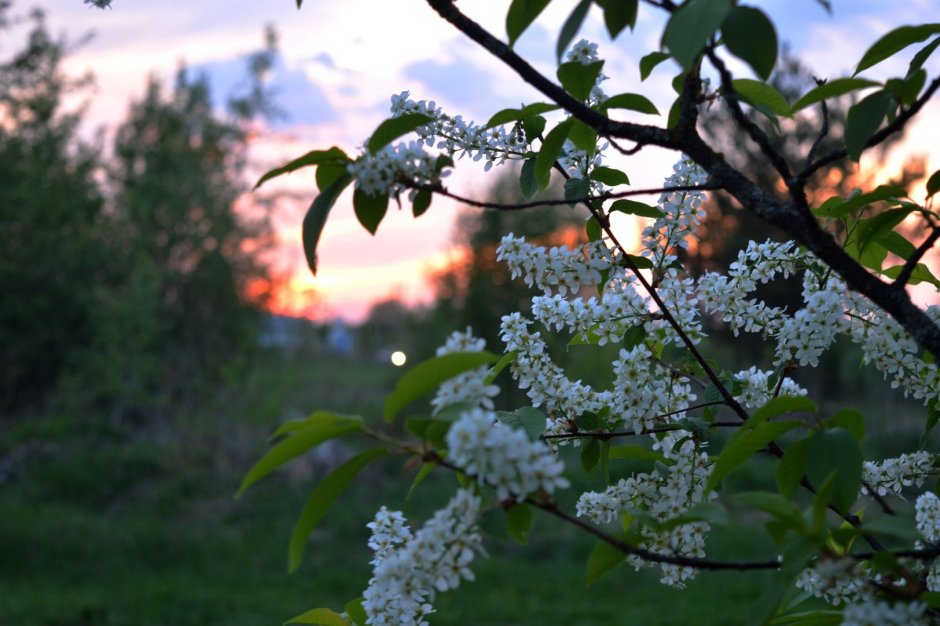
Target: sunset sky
341,61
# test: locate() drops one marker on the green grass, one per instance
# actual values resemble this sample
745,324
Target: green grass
109,526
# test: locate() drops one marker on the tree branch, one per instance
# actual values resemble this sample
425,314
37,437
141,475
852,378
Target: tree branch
897,125
915,258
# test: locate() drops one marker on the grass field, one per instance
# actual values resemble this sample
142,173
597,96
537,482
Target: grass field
104,525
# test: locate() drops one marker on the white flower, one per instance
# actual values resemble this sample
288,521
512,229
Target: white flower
927,516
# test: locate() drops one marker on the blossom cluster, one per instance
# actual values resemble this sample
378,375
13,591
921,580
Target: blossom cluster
837,581
386,172
681,214
882,613
469,387
663,494
502,457
927,516
409,569
756,388
892,475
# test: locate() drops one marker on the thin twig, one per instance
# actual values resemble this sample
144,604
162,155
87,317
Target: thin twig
911,264
518,206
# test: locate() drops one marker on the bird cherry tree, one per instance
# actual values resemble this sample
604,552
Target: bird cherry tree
843,526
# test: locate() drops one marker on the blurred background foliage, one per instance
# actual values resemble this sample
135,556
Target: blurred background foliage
138,381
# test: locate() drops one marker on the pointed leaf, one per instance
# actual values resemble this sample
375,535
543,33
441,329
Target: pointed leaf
370,210
603,558
356,612
571,27
426,376
551,148
578,79
322,499
759,94
618,14
743,445
519,522
421,203
315,157
315,219
791,467
895,41
527,418
630,101
863,120
323,617
395,127
633,207
320,427
521,15
609,176
835,452
650,61
750,36
527,181
933,184
831,89
690,27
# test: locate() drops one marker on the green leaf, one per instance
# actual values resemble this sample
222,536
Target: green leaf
895,41
322,499
421,203
822,617
779,406
849,419
650,61
423,473
761,95
743,445
636,452
571,27
933,184
634,336
690,27
907,89
503,362
791,467
603,558
426,376
316,157
320,427
772,503
630,101
370,210
876,227
578,79
526,418
863,120
548,154
831,89
356,612
504,117
922,55
590,454
838,207
519,522
750,36
921,274
593,229
609,176
835,452
618,14
316,216
576,189
395,127
528,184
583,136
329,173
632,207
323,617
899,526
521,15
